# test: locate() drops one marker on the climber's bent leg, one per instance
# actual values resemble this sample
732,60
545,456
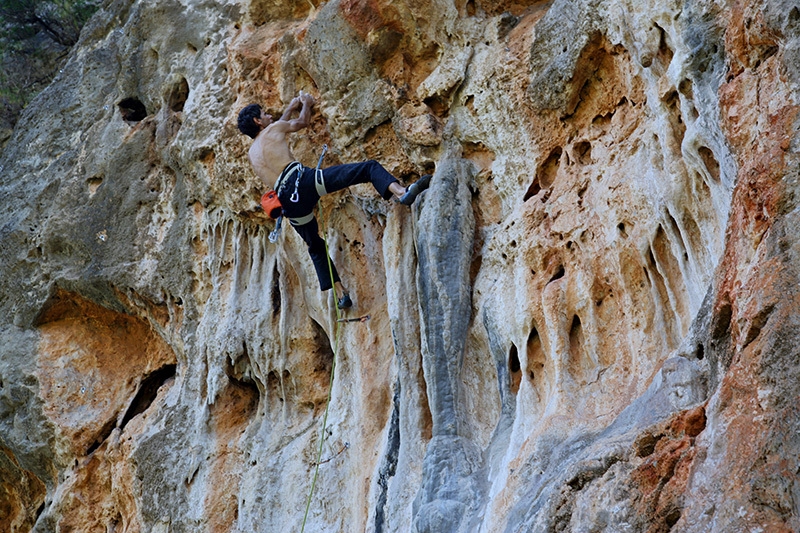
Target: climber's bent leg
316,249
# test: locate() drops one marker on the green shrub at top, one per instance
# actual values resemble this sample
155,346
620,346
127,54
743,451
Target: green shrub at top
35,37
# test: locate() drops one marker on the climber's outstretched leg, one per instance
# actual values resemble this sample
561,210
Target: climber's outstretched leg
340,176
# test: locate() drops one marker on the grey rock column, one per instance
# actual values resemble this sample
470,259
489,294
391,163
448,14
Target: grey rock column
445,233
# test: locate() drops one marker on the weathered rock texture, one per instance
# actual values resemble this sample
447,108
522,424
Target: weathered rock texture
588,323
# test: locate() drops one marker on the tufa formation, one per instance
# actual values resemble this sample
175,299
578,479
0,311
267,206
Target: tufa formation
588,322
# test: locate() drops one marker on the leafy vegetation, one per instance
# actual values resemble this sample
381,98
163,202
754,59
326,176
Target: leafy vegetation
35,37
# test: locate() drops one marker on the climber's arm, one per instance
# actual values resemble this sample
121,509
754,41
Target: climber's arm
304,118
279,129
294,105
283,126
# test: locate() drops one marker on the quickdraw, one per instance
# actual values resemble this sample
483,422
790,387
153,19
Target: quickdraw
319,180
274,234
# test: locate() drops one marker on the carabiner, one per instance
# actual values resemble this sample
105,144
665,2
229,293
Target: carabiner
274,234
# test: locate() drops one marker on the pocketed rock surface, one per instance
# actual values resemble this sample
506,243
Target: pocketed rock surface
589,322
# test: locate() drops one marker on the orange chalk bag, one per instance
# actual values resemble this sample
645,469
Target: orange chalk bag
271,205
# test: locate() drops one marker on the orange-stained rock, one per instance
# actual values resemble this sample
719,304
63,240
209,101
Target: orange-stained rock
587,323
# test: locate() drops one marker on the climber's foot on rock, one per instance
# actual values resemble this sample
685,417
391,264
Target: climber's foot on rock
344,302
415,189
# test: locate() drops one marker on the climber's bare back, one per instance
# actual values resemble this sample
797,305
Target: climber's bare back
270,153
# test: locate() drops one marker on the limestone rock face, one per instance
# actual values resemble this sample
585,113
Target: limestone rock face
589,322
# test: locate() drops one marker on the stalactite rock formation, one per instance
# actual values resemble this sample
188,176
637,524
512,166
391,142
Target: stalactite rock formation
588,322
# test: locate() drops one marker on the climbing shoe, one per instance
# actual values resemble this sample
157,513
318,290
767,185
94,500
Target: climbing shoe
344,302
415,189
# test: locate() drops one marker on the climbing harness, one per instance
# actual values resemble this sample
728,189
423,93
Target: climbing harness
297,169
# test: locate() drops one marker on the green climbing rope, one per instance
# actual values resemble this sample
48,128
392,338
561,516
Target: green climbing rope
338,325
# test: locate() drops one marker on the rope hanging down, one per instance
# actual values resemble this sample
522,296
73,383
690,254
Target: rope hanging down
337,332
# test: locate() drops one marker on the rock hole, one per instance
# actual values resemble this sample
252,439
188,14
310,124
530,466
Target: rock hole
132,110
471,8
721,323
583,152
113,524
535,356
558,274
622,230
515,376
711,163
104,433
147,392
685,88
533,190
602,121
699,352
766,53
646,444
792,20
506,23
178,94
276,291
274,387
665,53
94,183
238,402
582,191
546,173
579,365
672,518
672,101
469,103
756,325
575,333
439,103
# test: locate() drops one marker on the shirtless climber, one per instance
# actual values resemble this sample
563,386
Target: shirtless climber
297,186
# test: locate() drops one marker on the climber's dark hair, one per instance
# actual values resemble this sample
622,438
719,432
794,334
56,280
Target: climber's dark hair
246,124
